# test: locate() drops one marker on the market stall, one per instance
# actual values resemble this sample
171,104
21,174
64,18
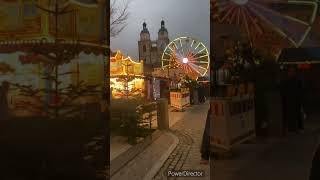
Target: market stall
232,110
180,98
232,119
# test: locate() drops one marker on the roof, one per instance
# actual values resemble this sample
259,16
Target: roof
297,55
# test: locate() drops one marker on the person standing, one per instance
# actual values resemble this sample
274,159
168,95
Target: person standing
291,91
201,93
4,106
205,146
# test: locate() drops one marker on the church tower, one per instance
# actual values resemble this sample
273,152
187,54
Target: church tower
145,45
163,40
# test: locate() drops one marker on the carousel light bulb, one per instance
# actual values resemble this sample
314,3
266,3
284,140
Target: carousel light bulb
185,60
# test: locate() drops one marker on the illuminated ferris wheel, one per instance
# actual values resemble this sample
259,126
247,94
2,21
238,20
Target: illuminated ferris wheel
292,20
188,54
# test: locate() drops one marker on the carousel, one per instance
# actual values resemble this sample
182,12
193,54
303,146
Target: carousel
126,77
42,53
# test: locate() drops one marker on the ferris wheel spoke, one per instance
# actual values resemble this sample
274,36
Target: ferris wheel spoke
228,13
225,7
221,1
269,1
170,48
310,3
192,43
238,16
255,24
233,18
183,53
176,47
245,22
195,68
280,15
202,68
166,53
202,50
197,46
282,23
194,55
278,30
207,55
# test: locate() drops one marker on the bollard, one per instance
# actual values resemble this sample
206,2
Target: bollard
163,114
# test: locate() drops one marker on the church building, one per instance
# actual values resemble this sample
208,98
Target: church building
151,51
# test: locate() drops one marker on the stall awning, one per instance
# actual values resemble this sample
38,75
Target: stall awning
309,55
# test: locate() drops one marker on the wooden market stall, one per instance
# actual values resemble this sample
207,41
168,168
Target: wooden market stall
232,112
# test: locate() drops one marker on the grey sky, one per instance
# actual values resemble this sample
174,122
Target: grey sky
182,18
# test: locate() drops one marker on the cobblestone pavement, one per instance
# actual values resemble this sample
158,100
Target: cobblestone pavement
186,156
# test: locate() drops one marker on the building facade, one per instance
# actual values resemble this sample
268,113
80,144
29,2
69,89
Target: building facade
151,51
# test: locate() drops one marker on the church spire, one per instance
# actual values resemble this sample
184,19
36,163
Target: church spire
144,27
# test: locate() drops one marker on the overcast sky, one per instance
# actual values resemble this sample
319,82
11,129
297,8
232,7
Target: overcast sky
182,18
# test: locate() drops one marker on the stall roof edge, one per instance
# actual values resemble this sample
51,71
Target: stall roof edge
299,54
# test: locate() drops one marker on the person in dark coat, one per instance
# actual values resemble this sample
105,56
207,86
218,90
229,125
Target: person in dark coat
201,93
4,106
205,146
291,90
315,169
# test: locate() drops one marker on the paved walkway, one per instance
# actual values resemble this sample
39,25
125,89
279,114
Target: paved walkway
118,145
277,159
177,149
144,165
188,128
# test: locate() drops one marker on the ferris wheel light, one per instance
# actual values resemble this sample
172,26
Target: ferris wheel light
177,56
185,60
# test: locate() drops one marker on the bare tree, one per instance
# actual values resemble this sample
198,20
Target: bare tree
118,16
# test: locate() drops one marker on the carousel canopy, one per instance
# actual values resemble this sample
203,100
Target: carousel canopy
300,55
121,66
36,45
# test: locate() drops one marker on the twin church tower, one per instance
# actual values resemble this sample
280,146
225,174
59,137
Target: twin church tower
151,51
